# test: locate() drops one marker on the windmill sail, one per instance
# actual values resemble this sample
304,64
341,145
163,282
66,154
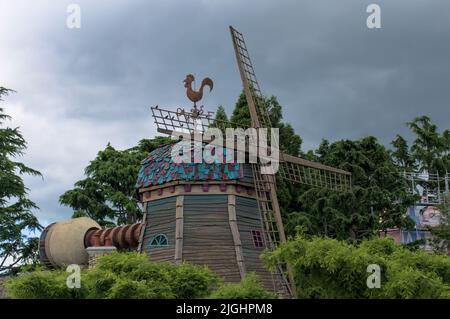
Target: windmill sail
301,171
265,185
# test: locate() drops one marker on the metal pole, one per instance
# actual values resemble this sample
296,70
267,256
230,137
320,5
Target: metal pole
446,182
439,187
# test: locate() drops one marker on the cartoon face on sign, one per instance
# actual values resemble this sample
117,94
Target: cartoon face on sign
430,216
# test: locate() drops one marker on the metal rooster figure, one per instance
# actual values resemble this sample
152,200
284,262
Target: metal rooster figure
196,96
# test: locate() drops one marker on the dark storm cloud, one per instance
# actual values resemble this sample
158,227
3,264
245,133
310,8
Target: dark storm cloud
334,77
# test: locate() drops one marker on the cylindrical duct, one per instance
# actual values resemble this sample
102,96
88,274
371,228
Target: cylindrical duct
121,236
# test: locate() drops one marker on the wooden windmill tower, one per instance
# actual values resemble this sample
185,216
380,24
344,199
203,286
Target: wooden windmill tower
263,187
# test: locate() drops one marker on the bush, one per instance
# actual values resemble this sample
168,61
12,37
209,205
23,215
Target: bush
191,281
42,284
328,268
119,275
248,288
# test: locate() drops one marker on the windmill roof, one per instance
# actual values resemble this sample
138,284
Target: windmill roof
161,167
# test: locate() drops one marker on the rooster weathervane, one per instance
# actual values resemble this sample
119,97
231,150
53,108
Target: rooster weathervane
196,96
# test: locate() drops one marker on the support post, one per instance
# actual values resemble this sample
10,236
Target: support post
179,229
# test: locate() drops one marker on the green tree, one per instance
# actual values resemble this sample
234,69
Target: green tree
401,154
290,143
328,268
16,216
107,194
430,148
441,233
377,201
221,119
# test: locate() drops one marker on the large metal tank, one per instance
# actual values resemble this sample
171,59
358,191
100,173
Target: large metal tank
62,243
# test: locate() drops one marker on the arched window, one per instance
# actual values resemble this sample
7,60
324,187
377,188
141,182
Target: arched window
158,241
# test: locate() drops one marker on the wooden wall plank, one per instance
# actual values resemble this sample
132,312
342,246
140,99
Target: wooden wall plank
248,219
160,219
207,237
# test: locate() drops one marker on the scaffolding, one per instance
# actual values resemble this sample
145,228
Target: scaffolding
430,187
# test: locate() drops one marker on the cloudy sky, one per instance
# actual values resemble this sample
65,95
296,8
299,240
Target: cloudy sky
78,89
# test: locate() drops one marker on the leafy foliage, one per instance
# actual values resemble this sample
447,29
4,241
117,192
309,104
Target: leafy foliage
221,119
290,142
377,201
16,214
328,268
430,149
120,275
248,288
441,233
401,154
107,194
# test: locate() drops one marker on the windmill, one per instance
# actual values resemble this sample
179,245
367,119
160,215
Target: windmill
292,169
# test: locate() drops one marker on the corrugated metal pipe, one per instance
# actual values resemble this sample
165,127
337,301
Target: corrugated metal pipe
121,237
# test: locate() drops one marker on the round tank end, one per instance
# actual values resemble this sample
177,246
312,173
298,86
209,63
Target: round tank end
63,243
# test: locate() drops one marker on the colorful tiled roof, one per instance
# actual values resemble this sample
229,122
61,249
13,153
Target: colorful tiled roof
160,167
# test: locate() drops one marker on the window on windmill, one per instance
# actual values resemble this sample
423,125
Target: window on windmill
158,241
258,240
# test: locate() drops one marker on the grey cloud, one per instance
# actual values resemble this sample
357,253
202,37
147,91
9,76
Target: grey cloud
335,78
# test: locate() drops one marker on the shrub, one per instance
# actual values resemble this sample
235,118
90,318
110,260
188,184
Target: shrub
42,284
119,275
328,268
248,288
189,281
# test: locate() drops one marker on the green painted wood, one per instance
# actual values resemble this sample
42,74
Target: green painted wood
160,219
207,237
248,219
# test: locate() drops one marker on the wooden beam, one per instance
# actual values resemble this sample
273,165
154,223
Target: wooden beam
236,235
179,229
247,89
141,235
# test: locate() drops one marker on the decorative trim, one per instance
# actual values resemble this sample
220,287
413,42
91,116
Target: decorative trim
197,189
164,236
211,182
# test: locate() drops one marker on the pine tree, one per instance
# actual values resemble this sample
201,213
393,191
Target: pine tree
430,149
16,216
221,119
401,154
